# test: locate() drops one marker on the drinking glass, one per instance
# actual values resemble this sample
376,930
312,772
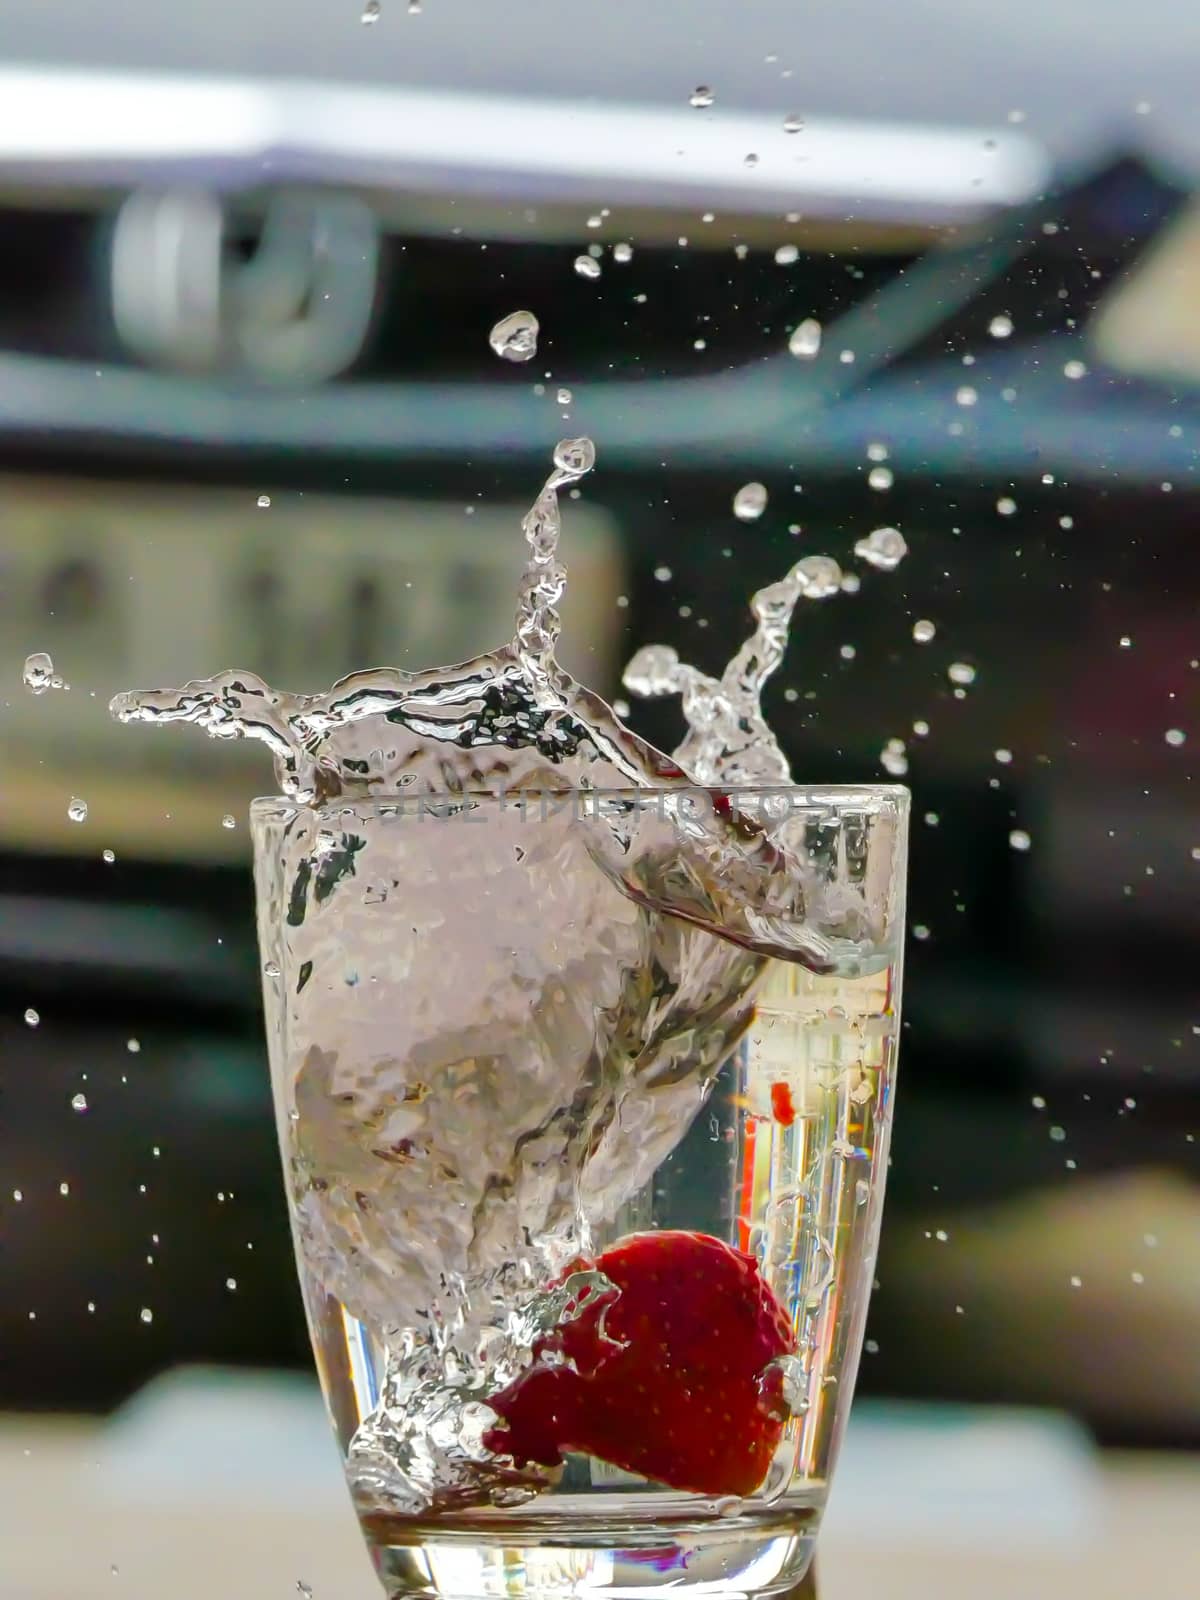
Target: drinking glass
495,1056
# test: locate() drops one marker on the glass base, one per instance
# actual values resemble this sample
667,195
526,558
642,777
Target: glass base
612,1553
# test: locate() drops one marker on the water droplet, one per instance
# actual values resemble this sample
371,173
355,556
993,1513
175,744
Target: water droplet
751,160
1019,839
701,97
622,253
1137,1277
1004,757
1074,370
564,397
1175,737
575,456
862,1192
146,1314
264,502
1006,505
961,672
804,342
1001,327
663,574
1038,1102
64,1189
271,969
923,630
893,759
134,1046
1076,1281
32,1017
77,809
370,13
79,1102
587,266
786,255
515,337
881,478
793,123
932,819
231,1284
109,856
920,931
750,502
38,673
884,548
966,396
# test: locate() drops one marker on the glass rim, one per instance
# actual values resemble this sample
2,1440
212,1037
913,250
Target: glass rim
841,795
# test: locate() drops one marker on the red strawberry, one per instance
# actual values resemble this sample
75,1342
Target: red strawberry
665,1375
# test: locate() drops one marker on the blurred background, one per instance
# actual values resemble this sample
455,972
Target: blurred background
930,266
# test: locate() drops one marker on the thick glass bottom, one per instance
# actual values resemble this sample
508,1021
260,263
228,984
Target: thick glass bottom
620,1550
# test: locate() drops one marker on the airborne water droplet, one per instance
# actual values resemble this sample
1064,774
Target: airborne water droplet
587,266
79,1102
1000,327
514,338
32,1018
38,672
884,548
564,397
793,123
1175,737
961,672
751,160
370,13
109,856
923,631
787,255
701,97
750,502
228,821
622,252
805,339
77,809
1019,839
146,1314
264,502
881,478
966,395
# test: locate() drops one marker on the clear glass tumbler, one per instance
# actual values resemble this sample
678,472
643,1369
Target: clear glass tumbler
584,1133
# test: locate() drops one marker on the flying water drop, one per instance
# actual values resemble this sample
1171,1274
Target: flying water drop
38,673
587,266
750,502
77,809
923,630
884,548
804,341
701,97
515,337
793,123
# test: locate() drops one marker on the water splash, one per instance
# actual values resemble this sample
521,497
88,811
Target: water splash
728,739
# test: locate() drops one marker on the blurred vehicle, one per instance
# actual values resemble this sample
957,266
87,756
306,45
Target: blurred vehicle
248,416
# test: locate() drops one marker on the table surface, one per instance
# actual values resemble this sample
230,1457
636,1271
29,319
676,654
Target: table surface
133,1512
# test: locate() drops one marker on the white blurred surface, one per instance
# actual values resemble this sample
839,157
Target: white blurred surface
217,1486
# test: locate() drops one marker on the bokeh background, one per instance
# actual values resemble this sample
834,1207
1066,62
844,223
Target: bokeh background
248,415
